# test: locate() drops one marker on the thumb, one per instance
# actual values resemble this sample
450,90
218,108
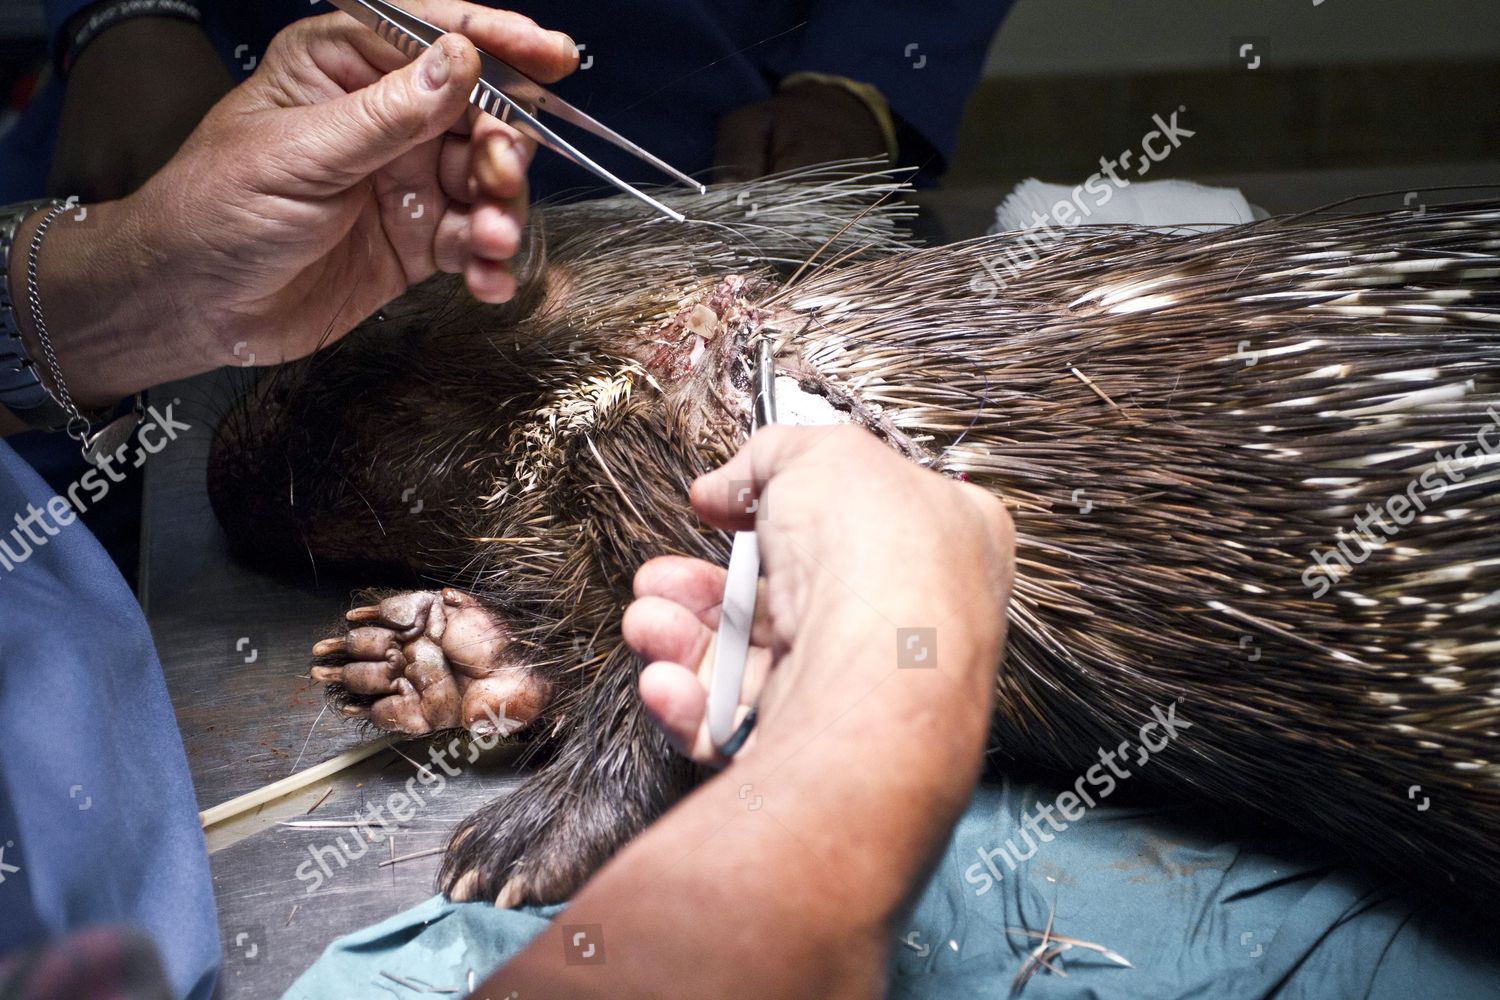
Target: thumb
730,497
345,140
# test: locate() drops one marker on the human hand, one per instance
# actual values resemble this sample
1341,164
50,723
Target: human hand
844,570
323,187
799,126
862,768
136,92
343,170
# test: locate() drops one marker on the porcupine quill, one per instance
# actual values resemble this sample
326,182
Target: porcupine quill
1177,422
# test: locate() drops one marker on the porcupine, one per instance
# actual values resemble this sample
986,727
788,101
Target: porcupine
1179,424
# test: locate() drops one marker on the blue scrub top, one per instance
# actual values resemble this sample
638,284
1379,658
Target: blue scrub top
98,821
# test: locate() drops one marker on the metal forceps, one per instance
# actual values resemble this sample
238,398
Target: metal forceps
506,93
737,612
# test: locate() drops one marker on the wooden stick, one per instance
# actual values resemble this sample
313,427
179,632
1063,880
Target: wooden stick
244,803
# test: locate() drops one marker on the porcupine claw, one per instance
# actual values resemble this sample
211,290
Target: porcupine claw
468,889
512,894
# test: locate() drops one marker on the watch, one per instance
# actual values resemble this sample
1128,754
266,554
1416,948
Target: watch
21,388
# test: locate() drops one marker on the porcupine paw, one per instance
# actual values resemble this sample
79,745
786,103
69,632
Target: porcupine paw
519,851
424,661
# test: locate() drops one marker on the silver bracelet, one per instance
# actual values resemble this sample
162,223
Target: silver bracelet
95,446
21,388
58,390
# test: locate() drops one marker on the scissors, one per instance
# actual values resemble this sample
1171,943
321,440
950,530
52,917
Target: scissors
737,611
506,93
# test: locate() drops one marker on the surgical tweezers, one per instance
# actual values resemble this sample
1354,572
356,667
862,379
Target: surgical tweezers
737,611
508,94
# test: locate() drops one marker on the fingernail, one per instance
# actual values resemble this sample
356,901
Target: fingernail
435,68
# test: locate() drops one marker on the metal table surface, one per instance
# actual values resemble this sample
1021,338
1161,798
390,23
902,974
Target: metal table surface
234,644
